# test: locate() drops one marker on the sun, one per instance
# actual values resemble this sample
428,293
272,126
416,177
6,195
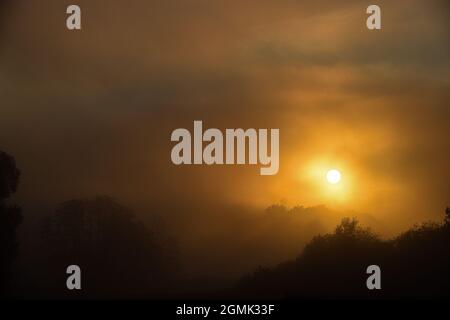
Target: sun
333,176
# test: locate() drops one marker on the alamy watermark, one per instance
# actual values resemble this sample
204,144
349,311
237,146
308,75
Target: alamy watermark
236,146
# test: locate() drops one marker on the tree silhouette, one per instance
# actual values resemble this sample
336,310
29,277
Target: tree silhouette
447,215
414,264
118,255
10,218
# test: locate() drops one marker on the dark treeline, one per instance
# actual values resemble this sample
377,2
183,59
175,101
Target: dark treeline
415,264
120,257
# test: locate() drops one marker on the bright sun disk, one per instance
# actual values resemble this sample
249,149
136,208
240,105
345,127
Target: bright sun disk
333,176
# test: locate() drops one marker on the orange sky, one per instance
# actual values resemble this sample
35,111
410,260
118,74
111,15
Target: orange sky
91,112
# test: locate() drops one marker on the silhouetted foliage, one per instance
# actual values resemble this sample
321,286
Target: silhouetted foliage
414,264
9,176
447,215
10,218
117,254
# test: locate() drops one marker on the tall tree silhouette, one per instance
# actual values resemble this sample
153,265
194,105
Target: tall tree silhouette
10,218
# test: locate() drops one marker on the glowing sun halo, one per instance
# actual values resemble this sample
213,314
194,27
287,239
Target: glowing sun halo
333,176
